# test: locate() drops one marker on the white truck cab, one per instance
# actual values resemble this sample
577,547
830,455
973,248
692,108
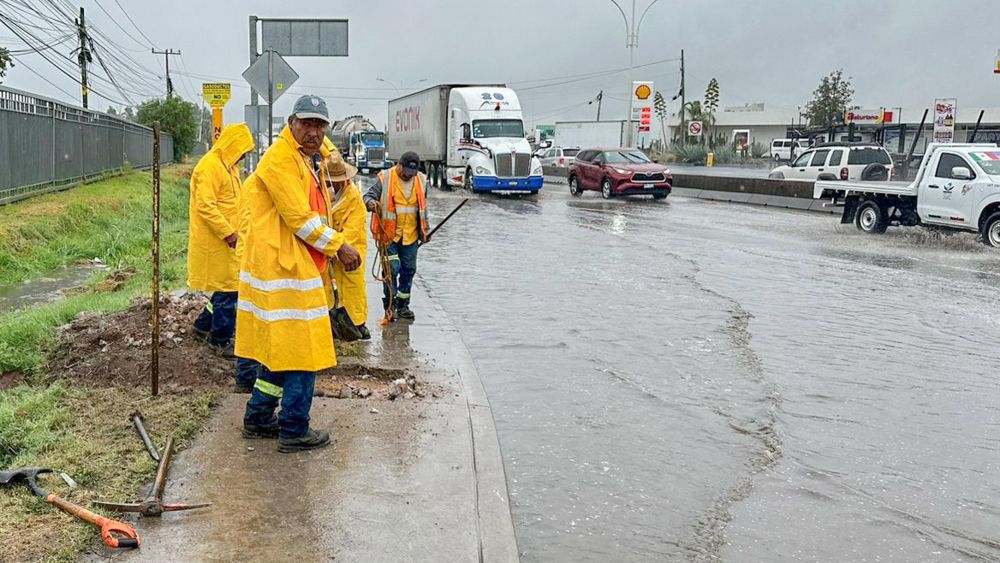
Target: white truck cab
957,186
487,147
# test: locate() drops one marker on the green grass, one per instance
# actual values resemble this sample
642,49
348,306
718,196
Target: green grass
109,220
82,430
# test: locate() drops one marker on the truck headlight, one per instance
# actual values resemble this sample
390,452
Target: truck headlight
480,170
537,170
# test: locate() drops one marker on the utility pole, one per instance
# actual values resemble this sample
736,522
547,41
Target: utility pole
684,130
631,42
166,57
84,56
252,163
600,99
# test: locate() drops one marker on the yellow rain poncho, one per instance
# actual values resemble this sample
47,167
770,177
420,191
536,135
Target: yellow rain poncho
282,318
215,189
348,218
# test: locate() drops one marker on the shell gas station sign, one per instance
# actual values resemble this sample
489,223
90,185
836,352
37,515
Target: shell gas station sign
642,105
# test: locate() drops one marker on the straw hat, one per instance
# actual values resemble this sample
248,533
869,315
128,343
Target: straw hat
339,170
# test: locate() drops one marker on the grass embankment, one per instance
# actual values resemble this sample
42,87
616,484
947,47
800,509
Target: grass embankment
80,429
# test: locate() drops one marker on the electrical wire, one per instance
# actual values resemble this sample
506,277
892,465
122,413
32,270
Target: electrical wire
150,41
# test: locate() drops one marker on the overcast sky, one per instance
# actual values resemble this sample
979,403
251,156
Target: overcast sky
899,52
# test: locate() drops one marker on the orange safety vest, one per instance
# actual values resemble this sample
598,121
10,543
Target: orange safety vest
384,225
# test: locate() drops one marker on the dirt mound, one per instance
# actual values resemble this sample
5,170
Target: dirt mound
103,349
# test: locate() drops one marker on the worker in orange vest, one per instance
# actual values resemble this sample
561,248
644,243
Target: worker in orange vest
399,218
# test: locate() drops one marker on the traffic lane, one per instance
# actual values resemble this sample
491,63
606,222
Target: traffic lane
810,287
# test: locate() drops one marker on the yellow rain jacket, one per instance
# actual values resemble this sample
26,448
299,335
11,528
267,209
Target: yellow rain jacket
282,317
213,215
348,217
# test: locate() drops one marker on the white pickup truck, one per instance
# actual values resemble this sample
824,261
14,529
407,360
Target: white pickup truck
957,186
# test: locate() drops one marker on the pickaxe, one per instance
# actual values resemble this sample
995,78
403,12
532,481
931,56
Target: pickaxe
110,529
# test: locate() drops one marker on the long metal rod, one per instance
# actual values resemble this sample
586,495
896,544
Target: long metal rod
976,130
909,155
140,428
161,472
154,363
441,224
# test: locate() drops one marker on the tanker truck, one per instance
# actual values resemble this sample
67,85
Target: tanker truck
360,143
469,136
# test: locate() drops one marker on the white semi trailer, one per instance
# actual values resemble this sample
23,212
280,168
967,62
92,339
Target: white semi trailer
470,136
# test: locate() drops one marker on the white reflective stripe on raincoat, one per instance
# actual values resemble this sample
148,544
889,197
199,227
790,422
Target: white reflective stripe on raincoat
283,314
283,283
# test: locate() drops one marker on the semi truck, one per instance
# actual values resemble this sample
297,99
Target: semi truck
360,142
957,187
466,135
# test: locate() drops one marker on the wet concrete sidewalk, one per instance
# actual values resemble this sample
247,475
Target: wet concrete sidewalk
405,480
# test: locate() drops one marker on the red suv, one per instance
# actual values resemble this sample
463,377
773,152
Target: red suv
618,171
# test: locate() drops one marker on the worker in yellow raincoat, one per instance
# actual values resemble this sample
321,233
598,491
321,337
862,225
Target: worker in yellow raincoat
282,318
348,215
213,261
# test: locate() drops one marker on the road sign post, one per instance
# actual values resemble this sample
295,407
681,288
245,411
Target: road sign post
216,94
270,76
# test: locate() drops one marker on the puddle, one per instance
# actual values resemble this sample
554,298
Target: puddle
47,288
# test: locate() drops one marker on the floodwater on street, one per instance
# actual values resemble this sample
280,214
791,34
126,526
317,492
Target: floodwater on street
689,380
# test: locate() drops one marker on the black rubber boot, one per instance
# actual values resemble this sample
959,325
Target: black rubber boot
403,310
311,440
202,335
252,431
365,333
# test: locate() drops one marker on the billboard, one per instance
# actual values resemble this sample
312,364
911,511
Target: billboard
944,120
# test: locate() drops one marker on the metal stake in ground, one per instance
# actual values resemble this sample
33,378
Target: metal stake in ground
154,362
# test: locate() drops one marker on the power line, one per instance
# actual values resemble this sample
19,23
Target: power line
588,76
151,44
39,75
119,26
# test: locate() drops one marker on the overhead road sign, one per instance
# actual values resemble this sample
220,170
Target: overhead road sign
305,37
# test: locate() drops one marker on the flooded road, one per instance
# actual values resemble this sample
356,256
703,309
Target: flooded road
688,380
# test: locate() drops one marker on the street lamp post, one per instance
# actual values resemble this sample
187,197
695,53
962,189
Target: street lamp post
631,42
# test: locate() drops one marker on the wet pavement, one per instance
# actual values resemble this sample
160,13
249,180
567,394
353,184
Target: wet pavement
407,480
692,380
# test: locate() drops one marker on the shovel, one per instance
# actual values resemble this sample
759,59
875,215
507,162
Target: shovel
110,529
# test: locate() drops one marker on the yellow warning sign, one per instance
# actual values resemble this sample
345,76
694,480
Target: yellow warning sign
216,94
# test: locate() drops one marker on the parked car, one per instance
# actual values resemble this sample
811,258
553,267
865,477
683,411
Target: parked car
781,149
839,161
559,156
618,171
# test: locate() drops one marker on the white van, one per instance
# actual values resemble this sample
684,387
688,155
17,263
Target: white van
781,149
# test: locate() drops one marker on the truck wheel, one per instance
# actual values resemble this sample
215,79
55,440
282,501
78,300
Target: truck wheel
991,230
871,218
574,187
606,188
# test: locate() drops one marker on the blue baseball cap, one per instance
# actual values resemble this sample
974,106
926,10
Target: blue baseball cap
311,107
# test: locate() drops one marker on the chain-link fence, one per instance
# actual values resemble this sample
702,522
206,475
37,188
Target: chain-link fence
46,145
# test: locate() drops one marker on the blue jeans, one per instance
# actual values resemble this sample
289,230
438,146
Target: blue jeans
219,317
293,389
247,371
403,259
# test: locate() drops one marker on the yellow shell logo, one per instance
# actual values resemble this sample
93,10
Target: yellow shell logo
643,92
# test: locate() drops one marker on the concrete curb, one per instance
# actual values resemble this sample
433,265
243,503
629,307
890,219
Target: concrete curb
496,528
